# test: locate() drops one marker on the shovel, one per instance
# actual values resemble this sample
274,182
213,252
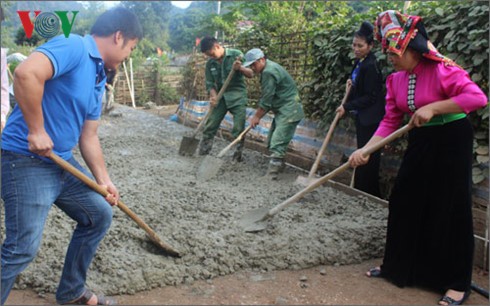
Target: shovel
211,165
92,184
305,181
256,220
188,145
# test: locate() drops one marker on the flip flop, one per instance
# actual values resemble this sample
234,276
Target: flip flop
87,295
374,272
450,301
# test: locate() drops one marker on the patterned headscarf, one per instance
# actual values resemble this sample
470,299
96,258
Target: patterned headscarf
397,31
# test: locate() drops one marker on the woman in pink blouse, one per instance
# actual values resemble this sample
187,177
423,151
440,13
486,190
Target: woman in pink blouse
429,239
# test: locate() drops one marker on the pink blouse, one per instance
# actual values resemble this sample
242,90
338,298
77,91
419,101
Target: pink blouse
434,82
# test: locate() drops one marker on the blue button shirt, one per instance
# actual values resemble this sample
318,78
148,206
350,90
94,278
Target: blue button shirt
72,96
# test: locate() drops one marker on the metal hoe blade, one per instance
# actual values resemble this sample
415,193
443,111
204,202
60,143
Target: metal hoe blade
209,168
188,146
255,220
303,180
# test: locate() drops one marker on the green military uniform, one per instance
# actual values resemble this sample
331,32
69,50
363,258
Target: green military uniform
234,98
280,95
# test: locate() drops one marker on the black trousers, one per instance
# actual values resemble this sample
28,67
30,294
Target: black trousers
367,176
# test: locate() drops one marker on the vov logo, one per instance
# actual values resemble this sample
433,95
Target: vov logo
47,24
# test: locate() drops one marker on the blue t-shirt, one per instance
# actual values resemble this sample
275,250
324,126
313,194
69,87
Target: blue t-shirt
71,96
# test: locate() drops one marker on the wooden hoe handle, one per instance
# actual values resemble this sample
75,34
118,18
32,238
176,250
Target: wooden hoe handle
218,97
327,138
335,172
92,184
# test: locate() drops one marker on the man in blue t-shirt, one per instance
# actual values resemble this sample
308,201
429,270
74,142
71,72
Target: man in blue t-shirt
59,89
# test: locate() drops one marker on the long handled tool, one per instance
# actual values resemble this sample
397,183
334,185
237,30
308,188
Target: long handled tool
305,181
189,144
92,184
211,165
255,220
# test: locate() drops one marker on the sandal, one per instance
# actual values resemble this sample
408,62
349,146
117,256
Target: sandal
87,295
450,301
374,272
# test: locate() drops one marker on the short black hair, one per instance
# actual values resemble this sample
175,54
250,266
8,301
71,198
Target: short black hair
118,19
366,32
207,43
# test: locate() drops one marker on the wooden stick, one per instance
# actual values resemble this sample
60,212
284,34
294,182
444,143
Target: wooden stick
132,81
342,168
92,184
234,142
352,179
129,85
220,94
327,138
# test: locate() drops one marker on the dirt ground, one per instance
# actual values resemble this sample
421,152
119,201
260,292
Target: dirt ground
306,256
327,285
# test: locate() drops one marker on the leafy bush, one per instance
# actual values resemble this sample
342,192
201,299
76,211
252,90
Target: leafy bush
168,94
22,40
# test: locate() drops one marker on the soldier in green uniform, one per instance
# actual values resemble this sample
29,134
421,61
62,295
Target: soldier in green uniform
221,61
279,95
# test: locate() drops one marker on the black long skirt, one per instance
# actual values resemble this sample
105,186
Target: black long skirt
430,226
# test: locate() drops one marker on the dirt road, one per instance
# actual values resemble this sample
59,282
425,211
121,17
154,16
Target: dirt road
327,285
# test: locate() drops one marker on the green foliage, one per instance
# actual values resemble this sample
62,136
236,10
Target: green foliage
226,23
286,17
144,49
330,49
154,18
166,93
187,84
185,26
201,19
87,16
22,40
254,38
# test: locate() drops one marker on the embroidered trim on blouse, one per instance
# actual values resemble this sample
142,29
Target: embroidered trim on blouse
412,80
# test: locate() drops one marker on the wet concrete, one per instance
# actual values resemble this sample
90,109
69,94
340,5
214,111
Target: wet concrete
200,218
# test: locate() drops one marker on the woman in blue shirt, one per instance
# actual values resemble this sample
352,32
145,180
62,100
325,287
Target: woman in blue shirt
366,103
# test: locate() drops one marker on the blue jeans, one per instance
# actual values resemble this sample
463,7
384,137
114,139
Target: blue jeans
29,188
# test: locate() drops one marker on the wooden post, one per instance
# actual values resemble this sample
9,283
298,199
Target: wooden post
157,88
129,84
132,81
